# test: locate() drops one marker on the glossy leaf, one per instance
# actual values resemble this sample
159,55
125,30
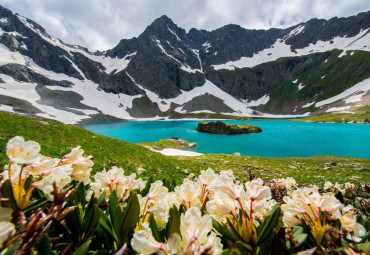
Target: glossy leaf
173,224
155,231
270,222
130,218
225,233
83,249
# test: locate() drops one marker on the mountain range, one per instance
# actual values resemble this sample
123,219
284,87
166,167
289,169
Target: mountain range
313,67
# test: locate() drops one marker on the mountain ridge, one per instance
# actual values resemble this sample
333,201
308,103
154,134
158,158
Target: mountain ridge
166,69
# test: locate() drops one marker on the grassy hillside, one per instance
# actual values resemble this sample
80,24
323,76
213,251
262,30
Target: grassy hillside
57,139
361,114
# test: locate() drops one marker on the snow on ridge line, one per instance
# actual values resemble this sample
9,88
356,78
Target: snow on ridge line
280,49
185,68
177,37
109,63
352,94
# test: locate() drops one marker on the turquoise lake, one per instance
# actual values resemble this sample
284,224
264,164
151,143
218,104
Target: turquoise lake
278,139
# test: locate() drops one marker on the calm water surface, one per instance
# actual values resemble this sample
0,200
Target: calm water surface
278,139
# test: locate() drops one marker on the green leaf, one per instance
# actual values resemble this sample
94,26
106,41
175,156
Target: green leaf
233,230
38,204
44,245
92,222
130,218
13,249
28,182
243,246
101,198
364,247
270,222
80,194
88,214
173,224
145,191
83,249
74,224
225,233
155,231
115,212
7,192
105,227
235,252
225,252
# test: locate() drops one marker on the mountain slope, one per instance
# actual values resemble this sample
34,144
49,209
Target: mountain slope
313,67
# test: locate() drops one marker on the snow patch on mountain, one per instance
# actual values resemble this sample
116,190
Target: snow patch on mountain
108,103
27,92
294,32
10,57
350,95
339,109
238,106
261,101
280,49
7,108
300,86
308,104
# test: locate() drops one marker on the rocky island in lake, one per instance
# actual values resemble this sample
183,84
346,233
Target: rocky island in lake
219,127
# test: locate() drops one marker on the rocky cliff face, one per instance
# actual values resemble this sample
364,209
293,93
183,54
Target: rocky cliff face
309,68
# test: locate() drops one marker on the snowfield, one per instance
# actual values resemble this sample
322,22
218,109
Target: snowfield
280,49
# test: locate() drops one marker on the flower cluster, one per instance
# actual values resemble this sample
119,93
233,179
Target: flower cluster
212,213
26,161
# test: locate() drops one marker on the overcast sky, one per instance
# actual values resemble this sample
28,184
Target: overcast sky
101,24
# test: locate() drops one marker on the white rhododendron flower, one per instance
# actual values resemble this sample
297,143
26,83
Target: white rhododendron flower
209,179
228,188
22,152
354,229
43,166
13,171
7,229
222,208
194,226
349,186
143,241
107,181
195,237
115,179
328,185
255,190
307,204
60,175
188,194
158,201
82,165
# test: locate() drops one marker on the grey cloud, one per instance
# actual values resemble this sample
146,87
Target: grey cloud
101,24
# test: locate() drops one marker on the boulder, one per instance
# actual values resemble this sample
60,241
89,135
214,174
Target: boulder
219,127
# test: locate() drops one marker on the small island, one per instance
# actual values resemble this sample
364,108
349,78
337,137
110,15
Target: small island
219,127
